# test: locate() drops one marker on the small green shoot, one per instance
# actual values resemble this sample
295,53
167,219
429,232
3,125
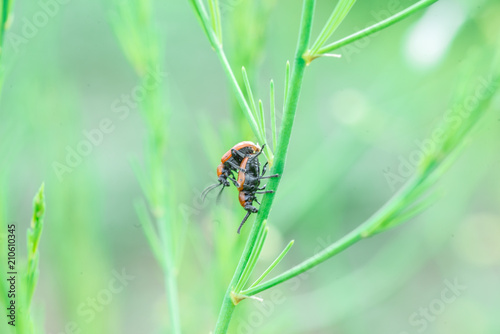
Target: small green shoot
33,235
215,19
287,83
272,266
250,97
339,14
262,120
272,107
149,231
324,49
202,16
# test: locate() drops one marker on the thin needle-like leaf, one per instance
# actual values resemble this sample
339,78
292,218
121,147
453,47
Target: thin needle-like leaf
202,17
211,8
272,266
374,28
215,18
287,83
411,212
339,13
33,236
140,176
218,20
401,206
149,231
252,261
250,97
262,120
272,107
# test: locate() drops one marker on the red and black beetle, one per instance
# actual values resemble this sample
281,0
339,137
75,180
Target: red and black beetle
229,163
244,158
248,184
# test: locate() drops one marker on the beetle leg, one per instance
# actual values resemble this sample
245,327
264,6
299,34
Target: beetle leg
265,192
264,169
244,220
269,177
236,184
235,153
235,166
250,207
257,154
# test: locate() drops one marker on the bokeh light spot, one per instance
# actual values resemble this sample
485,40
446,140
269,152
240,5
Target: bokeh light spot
349,106
429,39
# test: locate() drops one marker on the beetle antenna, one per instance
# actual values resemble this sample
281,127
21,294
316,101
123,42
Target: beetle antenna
208,189
218,196
244,220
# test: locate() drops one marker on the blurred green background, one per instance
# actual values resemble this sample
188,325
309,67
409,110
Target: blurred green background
358,118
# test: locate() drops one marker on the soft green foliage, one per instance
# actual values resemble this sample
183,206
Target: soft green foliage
410,199
5,21
34,234
323,49
271,267
338,15
139,45
407,203
272,107
247,103
201,15
255,117
252,261
149,231
215,18
30,272
134,27
132,201
278,167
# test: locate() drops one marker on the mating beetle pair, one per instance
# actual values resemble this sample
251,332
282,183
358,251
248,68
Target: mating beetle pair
243,158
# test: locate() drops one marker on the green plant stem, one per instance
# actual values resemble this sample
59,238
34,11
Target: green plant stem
250,113
228,307
247,111
345,242
273,265
170,275
215,19
203,18
4,13
374,28
338,15
252,260
158,200
240,97
404,204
